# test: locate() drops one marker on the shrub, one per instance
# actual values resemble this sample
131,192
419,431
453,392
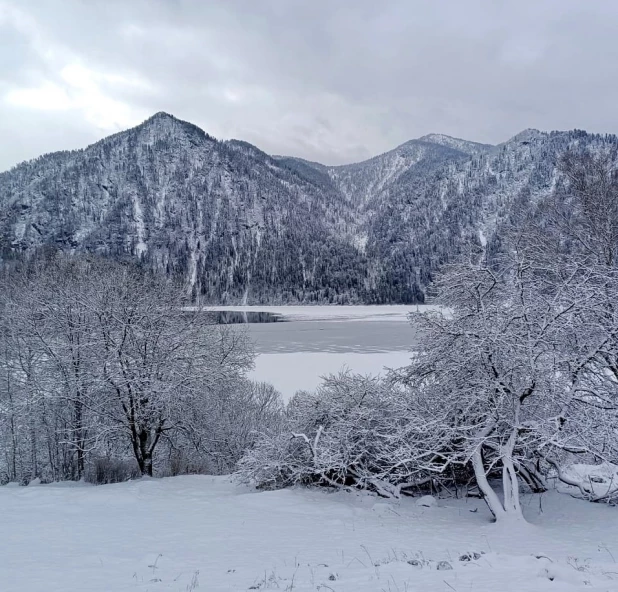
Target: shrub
103,470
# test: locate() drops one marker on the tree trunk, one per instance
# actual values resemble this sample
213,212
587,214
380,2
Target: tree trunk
143,448
147,466
510,483
33,448
510,509
32,416
79,435
489,495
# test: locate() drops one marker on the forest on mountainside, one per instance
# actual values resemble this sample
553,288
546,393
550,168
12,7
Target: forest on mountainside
239,226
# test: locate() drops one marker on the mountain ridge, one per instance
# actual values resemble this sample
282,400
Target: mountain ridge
164,115
239,225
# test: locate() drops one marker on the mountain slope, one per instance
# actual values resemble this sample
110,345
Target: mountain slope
361,182
222,214
241,226
420,223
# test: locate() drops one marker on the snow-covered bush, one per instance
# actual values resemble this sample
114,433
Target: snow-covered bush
353,431
598,482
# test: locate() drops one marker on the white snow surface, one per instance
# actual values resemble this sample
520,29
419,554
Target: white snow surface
290,372
141,247
197,533
601,479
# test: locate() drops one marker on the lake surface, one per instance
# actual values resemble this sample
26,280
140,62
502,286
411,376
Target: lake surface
312,342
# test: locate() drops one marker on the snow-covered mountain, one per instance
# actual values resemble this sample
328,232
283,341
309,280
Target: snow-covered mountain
242,226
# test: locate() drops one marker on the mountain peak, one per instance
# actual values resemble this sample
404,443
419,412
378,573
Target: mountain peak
437,138
160,115
162,118
526,135
456,143
163,122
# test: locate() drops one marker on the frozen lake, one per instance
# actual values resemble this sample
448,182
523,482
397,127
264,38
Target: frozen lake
332,336
320,340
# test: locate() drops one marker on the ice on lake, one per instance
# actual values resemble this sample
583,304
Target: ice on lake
319,340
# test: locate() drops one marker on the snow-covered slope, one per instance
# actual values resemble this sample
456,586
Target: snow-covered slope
193,534
362,182
224,215
244,227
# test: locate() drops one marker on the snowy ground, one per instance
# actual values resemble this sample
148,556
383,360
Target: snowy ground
204,533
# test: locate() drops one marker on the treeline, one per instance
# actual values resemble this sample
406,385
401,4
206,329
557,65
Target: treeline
104,376
516,379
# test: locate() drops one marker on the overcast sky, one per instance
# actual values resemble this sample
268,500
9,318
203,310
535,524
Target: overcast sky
329,80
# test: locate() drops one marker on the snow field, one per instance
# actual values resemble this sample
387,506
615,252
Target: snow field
196,533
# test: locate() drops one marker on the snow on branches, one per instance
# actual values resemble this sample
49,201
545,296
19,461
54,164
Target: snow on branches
102,370
513,379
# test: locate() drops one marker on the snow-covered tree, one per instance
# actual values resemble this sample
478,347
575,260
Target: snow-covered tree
490,365
524,361
101,361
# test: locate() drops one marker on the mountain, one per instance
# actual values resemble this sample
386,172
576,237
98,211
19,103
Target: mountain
242,226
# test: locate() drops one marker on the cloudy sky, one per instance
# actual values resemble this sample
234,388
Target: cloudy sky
329,80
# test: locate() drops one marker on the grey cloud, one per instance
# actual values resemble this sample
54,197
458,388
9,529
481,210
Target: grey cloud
329,81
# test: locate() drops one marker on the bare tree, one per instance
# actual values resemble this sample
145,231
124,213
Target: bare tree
98,359
159,361
227,425
586,209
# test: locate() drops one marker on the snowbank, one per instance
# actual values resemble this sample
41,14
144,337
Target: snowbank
598,480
